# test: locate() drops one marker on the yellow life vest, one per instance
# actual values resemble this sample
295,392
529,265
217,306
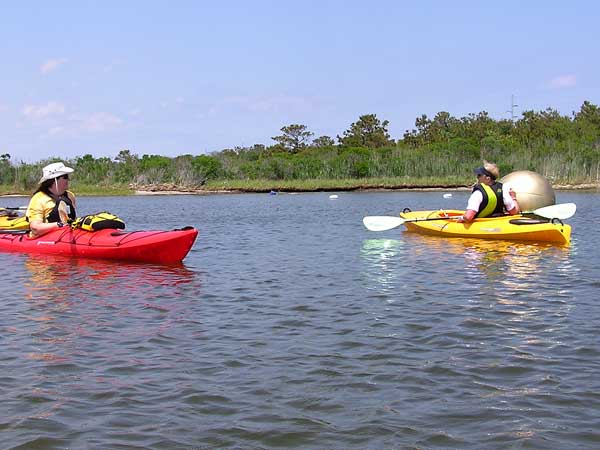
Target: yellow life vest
492,203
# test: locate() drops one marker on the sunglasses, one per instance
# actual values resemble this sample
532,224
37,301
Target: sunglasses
64,177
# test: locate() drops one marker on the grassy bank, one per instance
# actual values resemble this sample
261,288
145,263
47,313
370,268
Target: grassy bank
312,185
79,189
351,184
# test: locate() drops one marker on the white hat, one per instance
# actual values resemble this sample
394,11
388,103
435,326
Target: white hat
54,170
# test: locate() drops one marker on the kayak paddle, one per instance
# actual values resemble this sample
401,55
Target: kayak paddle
8,210
561,211
11,211
13,231
383,223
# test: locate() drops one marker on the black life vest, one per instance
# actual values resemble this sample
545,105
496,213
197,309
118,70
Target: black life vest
54,215
492,203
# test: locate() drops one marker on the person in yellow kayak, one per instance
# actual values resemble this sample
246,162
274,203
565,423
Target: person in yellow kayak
51,206
489,197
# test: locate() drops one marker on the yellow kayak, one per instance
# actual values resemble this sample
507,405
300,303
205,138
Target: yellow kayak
519,228
8,222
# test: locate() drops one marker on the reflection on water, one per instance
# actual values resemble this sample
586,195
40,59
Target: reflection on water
57,286
73,310
59,278
497,260
477,274
380,257
508,286
511,264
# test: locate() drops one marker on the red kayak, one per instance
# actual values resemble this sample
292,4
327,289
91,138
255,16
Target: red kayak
163,247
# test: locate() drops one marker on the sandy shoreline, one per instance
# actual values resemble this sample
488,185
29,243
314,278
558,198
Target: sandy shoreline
566,187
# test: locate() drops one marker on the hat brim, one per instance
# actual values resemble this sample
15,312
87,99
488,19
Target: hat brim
483,171
59,173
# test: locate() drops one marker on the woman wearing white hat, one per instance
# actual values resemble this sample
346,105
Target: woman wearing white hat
52,205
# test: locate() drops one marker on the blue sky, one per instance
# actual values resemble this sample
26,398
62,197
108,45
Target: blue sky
192,77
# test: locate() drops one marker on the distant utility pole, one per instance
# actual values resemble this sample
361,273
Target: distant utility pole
512,108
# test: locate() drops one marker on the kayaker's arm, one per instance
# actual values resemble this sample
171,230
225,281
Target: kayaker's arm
38,228
511,204
467,217
39,208
36,213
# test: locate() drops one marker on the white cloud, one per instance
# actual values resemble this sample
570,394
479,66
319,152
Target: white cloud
40,112
563,81
52,64
77,125
101,121
270,104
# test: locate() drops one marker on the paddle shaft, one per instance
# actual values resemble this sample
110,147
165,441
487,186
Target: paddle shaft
14,231
384,223
427,219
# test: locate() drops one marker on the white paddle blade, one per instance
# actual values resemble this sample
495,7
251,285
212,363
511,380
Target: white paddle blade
561,211
382,223
63,211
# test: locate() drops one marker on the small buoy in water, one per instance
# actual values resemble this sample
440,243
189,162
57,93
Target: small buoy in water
333,196
447,195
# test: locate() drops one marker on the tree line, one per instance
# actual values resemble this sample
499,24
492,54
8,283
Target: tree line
565,149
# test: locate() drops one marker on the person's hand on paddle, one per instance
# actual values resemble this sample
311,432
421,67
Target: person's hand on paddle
467,217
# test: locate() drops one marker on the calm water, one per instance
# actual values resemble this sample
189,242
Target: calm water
291,326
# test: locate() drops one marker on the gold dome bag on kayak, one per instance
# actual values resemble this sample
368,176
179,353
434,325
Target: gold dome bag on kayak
98,221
